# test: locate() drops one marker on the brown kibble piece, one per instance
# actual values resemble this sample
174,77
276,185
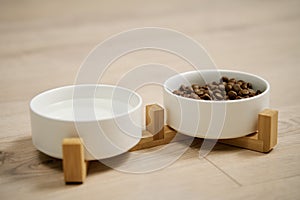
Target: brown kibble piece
177,92
236,88
196,90
212,86
182,88
252,92
195,86
240,82
232,95
244,86
224,79
189,89
202,92
249,85
206,97
258,92
221,87
232,80
195,96
244,92
228,87
218,96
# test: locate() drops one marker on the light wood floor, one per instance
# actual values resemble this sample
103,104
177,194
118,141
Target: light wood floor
43,44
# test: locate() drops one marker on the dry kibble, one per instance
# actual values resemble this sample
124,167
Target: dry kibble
226,89
182,88
212,86
258,92
252,92
232,80
195,96
249,85
244,92
244,86
218,96
189,89
201,92
236,87
232,95
197,91
195,86
221,87
206,97
239,82
230,83
224,79
177,92
217,91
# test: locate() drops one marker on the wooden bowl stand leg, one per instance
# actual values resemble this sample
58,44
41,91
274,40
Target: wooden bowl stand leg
266,136
74,164
156,133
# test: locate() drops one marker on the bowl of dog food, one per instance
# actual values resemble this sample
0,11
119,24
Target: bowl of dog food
215,104
107,118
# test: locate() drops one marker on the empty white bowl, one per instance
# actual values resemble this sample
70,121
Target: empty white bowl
107,118
214,119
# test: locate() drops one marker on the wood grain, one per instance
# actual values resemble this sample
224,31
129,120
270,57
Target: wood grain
155,121
74,164
266,136
268,124
148,140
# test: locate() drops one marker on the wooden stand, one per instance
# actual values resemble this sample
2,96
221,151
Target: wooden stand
74,164
156,133
266,136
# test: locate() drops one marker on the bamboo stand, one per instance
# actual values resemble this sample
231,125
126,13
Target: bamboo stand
156,133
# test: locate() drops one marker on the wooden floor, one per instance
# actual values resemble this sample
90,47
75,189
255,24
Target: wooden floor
44,42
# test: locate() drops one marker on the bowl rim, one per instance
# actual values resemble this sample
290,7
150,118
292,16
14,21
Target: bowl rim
217,101
41,114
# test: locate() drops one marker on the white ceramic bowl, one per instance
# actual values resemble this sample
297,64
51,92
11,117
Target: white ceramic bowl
107,118
214,119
